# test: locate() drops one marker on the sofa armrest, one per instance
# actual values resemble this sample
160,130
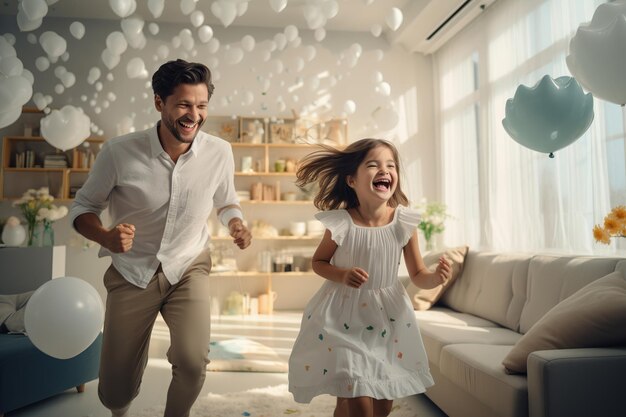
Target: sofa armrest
577,382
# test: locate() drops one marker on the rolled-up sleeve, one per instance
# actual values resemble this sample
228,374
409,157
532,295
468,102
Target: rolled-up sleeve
93,196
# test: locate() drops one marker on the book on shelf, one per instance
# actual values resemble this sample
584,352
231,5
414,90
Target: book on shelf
25,159
84,159
55,161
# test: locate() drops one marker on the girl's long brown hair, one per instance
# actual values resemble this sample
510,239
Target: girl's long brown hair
331,168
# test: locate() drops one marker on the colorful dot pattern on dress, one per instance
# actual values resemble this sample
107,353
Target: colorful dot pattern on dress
366,340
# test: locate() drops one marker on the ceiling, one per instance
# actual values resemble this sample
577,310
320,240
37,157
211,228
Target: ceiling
353,15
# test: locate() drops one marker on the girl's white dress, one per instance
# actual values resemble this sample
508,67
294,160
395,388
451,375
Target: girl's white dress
366,341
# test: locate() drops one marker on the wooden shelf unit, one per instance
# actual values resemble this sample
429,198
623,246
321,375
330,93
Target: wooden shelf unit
16,180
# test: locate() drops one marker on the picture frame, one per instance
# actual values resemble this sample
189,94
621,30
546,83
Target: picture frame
282,131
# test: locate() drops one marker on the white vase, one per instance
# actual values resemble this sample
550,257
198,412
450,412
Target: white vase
13,235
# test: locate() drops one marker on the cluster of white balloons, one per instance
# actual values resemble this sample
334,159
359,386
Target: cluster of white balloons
30,13
316,13
66,128
16,84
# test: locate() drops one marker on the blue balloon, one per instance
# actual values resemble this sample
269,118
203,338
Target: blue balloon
550,115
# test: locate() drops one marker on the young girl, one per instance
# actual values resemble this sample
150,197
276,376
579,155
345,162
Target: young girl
359,340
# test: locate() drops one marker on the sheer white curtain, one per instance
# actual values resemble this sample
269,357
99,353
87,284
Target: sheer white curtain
504,196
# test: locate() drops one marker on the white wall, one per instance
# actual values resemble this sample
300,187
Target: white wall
409,75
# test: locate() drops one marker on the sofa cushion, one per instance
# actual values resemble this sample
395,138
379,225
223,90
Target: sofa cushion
477,369
12,309
594,316
437,336
551,279
492,286
447,316
424,299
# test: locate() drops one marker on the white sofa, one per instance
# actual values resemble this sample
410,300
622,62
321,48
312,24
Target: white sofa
481,316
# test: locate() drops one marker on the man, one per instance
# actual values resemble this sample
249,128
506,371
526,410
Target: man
160,186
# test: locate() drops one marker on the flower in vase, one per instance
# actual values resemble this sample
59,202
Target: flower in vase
433,216
614,226
29,204
48,215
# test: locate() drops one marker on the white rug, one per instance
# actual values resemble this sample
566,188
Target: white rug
268,402
244,355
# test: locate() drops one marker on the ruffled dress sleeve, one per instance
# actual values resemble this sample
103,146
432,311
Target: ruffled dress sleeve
408,219
336,222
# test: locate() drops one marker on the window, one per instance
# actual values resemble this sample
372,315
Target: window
502,195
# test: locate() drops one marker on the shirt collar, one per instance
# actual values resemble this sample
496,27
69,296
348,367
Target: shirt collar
155,144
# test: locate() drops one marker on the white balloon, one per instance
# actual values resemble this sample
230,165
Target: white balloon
136,68
59,89
242,8
394,18
34,9
291,32
153,28
213,45
40,101
205,33
379,55
116,43
597,55
10,116
109,58
132,27
349,107
330,9
29,76
53,44
384,88
68,79
227,13
163,51
94,75
63,317
247,42
59,71
376,29
197,18
278,5
10,66
187,6
278,66
31,38
66,128
123,8
156,7
77,29
13,235
320,34
25,24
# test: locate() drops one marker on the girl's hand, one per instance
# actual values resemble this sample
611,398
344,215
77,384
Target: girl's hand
444,270
354,277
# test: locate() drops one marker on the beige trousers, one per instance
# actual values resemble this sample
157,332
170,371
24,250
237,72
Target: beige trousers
130,315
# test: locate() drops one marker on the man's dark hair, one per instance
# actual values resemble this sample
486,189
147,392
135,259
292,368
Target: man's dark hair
173,73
